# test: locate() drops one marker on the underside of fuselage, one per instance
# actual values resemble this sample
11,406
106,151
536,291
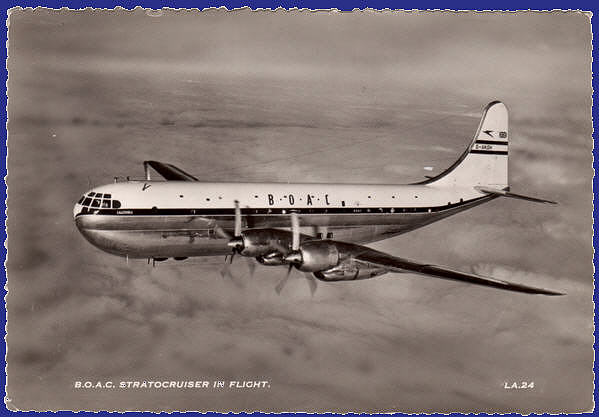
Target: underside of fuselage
150,235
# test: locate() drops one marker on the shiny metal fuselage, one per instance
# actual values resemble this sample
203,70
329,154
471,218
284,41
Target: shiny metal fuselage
149,225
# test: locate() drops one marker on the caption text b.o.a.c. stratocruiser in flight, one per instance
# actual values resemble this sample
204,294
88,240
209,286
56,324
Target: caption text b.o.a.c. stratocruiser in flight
319,229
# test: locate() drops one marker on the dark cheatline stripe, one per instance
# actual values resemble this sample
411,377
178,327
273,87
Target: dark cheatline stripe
489,152
271,211
491,142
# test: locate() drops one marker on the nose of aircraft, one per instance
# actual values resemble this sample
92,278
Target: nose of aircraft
76,209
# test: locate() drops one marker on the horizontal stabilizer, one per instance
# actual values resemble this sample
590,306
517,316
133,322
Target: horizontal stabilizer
168,171
505,193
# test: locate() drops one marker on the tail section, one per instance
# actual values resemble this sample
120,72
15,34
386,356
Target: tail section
485,162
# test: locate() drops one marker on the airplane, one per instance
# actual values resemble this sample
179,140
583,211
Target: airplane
319,229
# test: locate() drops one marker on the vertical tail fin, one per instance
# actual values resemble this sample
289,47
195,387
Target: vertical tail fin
485,161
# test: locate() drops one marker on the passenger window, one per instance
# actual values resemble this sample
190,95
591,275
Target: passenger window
96,203
116,204
87,201
106,204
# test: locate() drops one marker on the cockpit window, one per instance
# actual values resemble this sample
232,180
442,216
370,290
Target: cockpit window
97,200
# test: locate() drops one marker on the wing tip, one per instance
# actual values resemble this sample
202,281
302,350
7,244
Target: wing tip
543,291
532,290
553,293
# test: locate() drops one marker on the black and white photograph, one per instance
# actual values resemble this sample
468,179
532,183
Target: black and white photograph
299,211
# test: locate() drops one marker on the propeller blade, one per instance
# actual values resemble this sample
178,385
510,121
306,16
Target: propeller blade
225,271
283,281
295,231
311,282
235,241
222,232
237,219
251,266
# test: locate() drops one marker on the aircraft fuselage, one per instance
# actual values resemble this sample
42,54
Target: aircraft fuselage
164,219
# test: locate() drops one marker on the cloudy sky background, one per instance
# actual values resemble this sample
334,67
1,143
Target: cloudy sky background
289,96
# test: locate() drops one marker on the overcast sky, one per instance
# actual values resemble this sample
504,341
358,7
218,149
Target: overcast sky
290,96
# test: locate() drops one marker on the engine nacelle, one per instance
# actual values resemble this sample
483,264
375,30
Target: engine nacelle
272,259
318,256
261,242
349,271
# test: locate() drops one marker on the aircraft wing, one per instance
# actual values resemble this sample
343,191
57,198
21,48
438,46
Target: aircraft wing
396,264
169,171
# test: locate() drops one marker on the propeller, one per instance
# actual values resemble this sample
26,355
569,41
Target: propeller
283,281
311,282
295,243
236,242
294,247
309,277
222,232
237,219
226,272
251,266
294,257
